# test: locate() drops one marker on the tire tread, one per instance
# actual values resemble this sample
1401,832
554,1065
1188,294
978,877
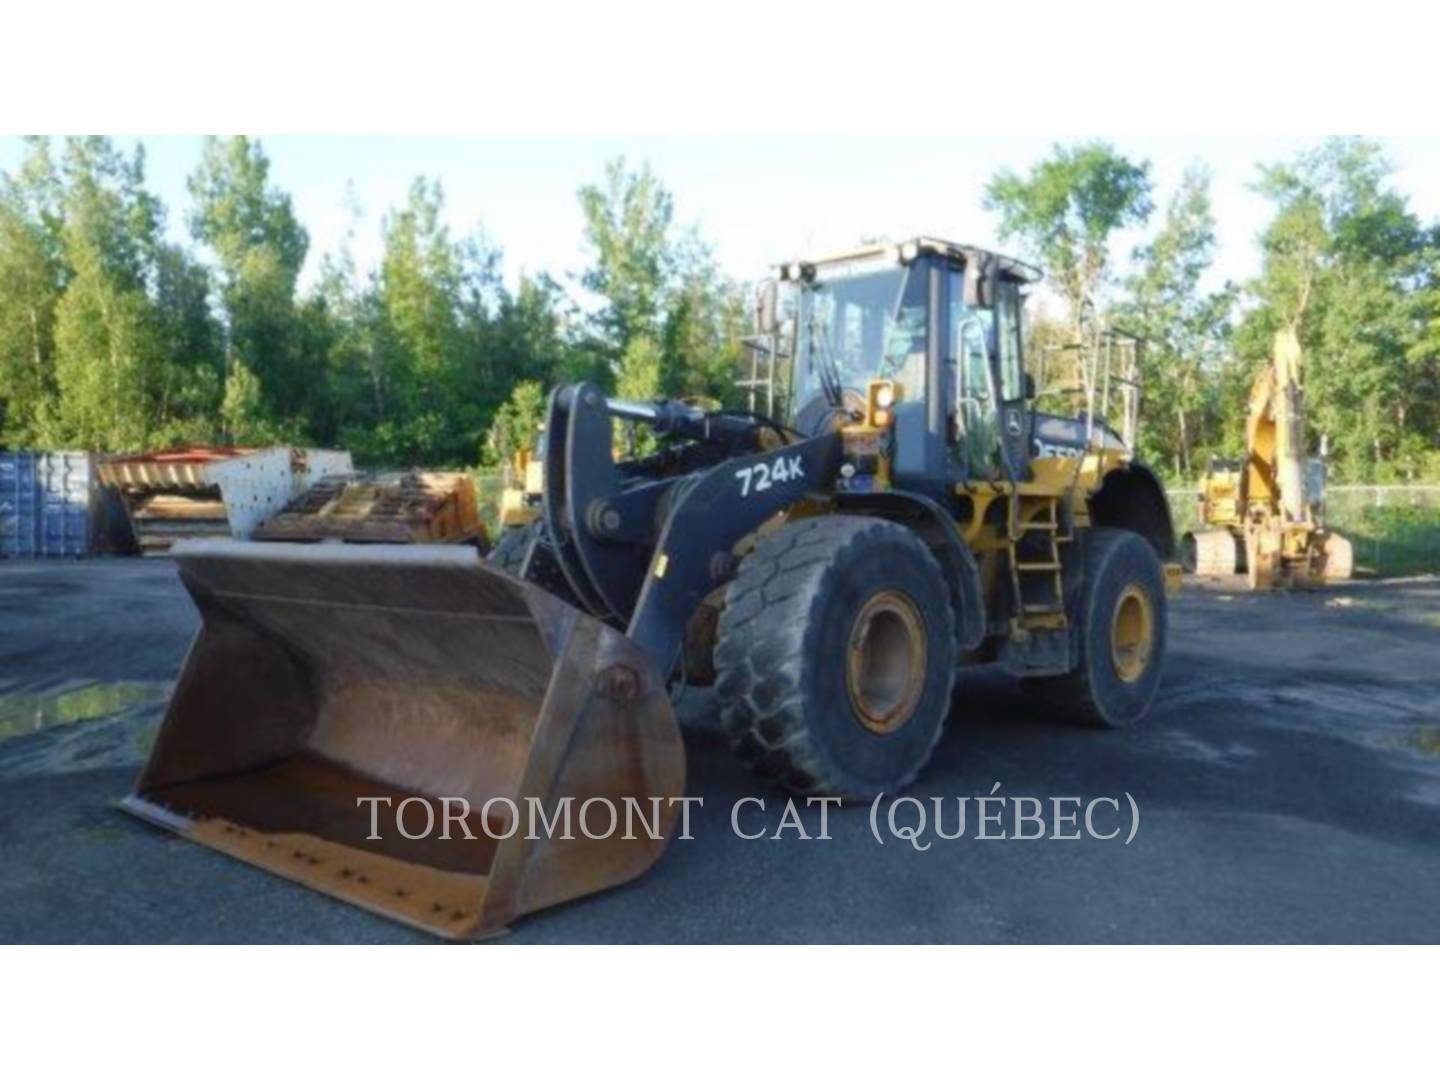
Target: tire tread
768,628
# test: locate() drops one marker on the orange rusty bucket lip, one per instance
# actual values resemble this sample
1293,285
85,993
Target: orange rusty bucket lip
326,679
183,455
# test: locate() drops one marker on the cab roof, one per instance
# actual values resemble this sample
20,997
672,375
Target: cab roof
1008,267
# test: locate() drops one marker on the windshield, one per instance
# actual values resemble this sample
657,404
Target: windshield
867,325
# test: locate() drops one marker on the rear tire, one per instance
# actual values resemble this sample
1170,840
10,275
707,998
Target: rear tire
835,657
1120,635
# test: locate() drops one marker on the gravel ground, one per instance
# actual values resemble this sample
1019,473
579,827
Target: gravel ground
1288,782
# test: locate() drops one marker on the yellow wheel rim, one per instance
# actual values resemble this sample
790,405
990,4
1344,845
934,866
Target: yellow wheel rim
885,661
1132,633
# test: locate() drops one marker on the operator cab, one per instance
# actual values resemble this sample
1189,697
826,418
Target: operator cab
940,321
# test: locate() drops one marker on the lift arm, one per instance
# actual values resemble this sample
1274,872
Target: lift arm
642,550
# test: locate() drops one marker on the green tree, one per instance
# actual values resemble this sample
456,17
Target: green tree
700,336
431,302
425,356
1065,211
658,284
517,423
1349,267
106,334
532,338
242,412
342,313
627,224
32,277
641,372
109,349
192,378
1185,331
259,246
1420,409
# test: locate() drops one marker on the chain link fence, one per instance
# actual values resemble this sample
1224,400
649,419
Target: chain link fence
1395,530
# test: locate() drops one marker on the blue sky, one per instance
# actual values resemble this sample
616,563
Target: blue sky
757,201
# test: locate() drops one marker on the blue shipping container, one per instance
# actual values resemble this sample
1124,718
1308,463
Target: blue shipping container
47,505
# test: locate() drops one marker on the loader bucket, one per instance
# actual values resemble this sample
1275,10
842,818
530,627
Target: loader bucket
328,674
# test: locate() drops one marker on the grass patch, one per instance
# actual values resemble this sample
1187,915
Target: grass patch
1392,541
1397,540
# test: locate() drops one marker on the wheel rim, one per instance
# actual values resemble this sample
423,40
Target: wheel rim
1132,634
885,661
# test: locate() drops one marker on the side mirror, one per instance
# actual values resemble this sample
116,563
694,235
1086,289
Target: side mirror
1030,392
767,308
981,276
973,289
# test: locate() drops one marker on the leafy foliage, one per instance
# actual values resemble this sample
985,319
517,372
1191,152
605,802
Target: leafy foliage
32,278
1352,269
260,246
517,423
641,372
114,338
660,288
1065,211
1185,331
628,224
1346,264
134,361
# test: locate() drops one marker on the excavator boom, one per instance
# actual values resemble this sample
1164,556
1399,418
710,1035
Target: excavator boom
1264,518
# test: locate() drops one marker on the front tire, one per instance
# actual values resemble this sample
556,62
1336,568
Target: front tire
835,656
514,544
1337,558
513,547
1120,634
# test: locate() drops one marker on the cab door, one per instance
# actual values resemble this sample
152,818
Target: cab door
1015,415
970,332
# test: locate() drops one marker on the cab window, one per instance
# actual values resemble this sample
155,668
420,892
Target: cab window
969,333
865,325
1007,311
969,345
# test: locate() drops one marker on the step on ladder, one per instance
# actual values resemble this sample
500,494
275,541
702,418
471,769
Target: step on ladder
1048,614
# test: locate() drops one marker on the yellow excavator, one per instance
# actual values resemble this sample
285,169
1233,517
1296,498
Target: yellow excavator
1265,516
455,742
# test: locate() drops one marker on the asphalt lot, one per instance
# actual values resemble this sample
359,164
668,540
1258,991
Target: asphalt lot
1288,782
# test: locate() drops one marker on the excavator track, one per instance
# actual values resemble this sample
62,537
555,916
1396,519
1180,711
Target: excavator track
1213,553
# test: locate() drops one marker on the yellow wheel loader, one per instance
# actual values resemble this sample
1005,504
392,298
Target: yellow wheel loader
905,513
1265,516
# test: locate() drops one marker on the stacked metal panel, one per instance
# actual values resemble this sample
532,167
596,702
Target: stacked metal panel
393,508
197,492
